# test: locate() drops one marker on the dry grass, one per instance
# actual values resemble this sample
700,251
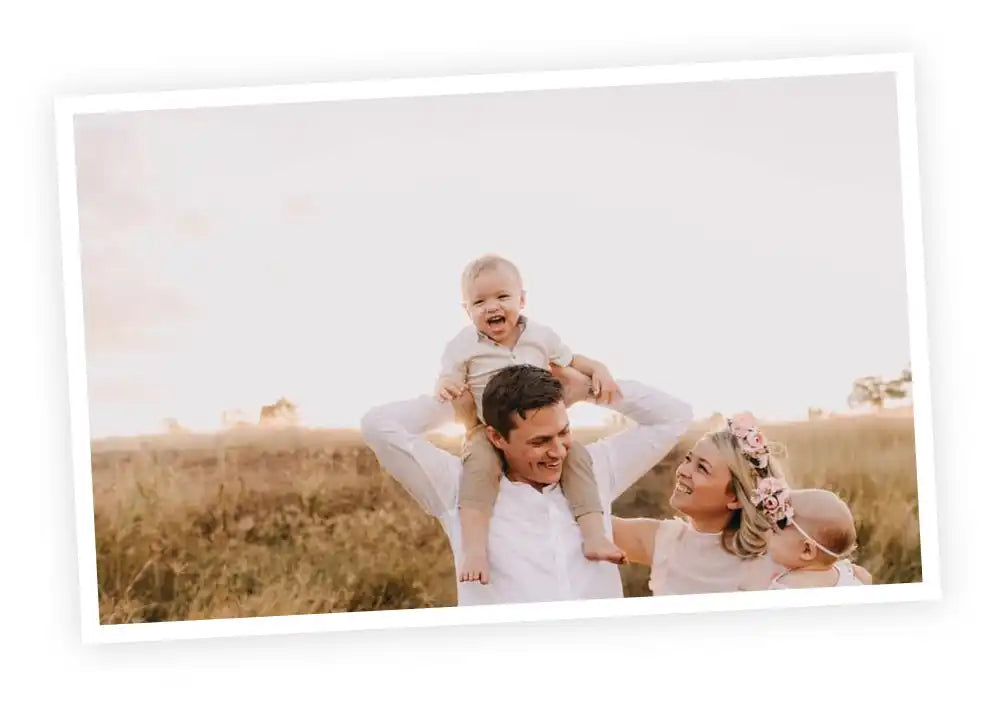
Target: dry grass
296,522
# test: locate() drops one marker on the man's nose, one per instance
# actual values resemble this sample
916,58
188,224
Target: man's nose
559,450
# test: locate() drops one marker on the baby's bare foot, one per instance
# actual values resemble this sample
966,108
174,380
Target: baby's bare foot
475,567
601,548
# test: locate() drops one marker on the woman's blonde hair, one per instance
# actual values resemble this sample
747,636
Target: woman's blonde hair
745,534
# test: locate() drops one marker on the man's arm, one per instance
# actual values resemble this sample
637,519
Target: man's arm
395,434
620,460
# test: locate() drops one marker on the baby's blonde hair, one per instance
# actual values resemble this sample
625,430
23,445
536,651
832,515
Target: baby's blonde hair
486,262
745,535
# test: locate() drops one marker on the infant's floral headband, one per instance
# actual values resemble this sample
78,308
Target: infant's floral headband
773,499
750,440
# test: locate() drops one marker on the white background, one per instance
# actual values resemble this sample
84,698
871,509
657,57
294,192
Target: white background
862,651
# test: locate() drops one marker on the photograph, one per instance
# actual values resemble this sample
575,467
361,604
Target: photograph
507,347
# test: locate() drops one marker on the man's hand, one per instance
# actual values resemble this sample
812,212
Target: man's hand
465,410
603,386
577,386
449,388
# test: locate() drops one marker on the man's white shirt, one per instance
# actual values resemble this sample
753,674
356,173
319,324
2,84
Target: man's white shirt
534,547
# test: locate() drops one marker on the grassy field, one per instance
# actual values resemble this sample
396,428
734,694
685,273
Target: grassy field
295,521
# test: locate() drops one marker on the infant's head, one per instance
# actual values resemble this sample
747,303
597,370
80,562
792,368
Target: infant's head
493,296
819,530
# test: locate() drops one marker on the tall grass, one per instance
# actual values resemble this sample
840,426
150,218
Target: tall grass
297,522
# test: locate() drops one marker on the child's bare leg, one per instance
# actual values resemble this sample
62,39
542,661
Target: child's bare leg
578,482
597,545
474,529
478,491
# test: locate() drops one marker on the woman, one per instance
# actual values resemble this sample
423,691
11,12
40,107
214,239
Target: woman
721,546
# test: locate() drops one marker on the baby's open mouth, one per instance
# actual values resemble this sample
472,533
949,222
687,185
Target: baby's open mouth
496,320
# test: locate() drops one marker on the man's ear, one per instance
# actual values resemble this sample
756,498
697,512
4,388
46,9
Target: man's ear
496,439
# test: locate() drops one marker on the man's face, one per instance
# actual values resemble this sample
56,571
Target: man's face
536,446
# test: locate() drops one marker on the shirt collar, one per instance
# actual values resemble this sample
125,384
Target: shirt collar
525,485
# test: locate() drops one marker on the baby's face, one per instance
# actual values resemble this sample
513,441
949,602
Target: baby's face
493,302
786,546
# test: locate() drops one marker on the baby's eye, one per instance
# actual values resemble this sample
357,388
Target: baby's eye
478,303
502,296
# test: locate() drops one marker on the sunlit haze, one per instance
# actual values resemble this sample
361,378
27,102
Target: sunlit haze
738,244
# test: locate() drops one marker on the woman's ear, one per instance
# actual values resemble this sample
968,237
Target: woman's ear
733,504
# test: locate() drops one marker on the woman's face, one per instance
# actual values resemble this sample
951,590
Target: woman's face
703,488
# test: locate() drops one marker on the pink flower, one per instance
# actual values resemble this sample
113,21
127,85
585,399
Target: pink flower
755,440
770,503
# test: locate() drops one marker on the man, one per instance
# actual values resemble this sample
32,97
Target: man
535,543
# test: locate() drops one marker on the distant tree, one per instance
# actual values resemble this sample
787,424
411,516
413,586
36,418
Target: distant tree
282,412
874,391
816,413
173,426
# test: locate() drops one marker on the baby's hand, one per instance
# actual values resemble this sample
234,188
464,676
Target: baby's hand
449,388
604,387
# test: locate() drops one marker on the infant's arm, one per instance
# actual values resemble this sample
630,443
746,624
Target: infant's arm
452,379
587,365
862,574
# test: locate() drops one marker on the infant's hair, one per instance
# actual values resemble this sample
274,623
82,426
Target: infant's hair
486,262
826,518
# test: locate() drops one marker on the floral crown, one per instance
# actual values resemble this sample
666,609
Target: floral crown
750,440
771,498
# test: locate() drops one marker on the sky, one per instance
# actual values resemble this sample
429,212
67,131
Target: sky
738,244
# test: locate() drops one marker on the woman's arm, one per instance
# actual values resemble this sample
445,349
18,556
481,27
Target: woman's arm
636,537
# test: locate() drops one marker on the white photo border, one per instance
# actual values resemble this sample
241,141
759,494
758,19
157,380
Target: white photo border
66,109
